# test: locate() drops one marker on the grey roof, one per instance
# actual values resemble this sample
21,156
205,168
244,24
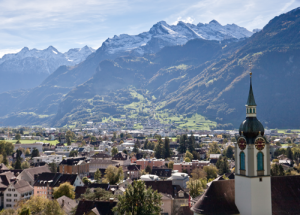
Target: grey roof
251,100
66,204
36,170
98,161
5,180
3,167
22,186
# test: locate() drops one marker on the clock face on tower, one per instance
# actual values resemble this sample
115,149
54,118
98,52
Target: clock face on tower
260,143
242,143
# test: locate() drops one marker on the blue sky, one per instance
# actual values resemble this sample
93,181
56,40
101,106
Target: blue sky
67,24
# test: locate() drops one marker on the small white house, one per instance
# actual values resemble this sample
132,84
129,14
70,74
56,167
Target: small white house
16,191
48,159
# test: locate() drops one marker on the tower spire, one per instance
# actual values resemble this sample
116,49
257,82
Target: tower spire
251,100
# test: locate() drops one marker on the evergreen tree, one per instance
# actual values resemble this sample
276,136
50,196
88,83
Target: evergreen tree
35,153
148,169
159,149
289,153
146,144
97,176
135,148
167,148
182,144
18,159
53,167
4,160
191,143
229,152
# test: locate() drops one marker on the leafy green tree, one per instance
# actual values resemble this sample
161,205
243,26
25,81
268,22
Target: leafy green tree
125,151
138,200
233,139
222,165
277,170
98,194
113,175
25,165
35,153
73,153
4,160
18,138
214,148
69,141
25,211
27,152
167,148
187,159
229,152
189,155
171,164
85,180
53,167
114,151
195,188
183,144
211,172
148,169
64,189
196,155
198,173
97,176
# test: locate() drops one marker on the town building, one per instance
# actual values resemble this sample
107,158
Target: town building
16,191
188,167
78,165
46,182
122,158
150,162
48,159
29,146
28,174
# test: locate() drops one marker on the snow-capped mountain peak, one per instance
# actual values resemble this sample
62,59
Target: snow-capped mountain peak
42,61
162,34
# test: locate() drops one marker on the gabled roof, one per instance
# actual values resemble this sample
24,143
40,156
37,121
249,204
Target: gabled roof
166,187
134,167
120,156
101,155
79,190
54,179
35,170
102,207
22,186
66,204
5,180
3,167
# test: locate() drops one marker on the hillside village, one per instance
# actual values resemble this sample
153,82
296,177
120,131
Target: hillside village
36,161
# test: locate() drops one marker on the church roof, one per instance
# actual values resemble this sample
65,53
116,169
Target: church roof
251,100
285,194
220,194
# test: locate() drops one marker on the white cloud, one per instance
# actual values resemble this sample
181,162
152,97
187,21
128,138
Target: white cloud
186,20
8,51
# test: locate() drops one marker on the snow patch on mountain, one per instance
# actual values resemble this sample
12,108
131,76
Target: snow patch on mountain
42,61
162,34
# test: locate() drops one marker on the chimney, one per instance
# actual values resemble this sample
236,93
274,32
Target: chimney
111,199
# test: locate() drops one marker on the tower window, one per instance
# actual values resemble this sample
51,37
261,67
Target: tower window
247,110
253,110
250,110
242,160
260,161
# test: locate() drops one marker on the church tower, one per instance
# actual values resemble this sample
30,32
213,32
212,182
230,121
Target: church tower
252,164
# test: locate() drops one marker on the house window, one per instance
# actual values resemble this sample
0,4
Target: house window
15,195
242,160
8,205
8,194
13,190
15,200
8,200
260,161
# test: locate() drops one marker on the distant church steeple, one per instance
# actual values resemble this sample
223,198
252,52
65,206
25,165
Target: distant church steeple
252,164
